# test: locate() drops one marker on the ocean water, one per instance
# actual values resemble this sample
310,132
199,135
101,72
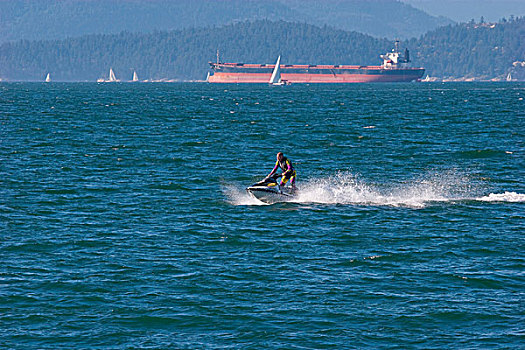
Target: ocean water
124,221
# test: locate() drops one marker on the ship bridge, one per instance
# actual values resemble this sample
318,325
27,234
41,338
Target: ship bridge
394,59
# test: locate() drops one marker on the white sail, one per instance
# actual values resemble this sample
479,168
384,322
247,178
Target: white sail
112,78
135,76
112,75
509,77
276,74
48,78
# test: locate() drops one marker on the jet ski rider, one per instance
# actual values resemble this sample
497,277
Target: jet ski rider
287,168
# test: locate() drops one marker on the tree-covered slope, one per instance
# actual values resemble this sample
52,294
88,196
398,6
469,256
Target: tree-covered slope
184,54
468,50
51,19
475,50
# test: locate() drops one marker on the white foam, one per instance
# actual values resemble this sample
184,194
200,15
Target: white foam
345,188
503,197
237,196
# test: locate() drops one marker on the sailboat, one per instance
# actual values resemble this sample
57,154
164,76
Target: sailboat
276,74
509,77
111,79
48,78
135,77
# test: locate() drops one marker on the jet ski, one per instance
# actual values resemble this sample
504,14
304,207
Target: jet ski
269,191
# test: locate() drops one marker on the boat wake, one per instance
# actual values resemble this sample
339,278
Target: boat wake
239,196
503,197
346,188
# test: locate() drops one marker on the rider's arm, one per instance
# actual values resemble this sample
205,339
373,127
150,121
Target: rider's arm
274,169
289,166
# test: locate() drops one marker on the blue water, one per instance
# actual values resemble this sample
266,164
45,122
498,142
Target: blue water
124,223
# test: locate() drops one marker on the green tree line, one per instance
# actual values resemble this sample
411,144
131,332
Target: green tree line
472,50
452,51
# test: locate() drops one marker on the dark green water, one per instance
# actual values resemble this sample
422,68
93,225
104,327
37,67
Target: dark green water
124,223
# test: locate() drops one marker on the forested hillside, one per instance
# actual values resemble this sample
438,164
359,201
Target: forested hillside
51,19
184,54
471,50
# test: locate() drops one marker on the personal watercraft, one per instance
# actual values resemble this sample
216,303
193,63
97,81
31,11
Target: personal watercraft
268,191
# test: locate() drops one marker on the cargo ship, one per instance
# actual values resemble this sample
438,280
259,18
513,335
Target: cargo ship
395,68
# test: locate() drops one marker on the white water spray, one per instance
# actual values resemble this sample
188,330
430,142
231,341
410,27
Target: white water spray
503,197
346,188
238,196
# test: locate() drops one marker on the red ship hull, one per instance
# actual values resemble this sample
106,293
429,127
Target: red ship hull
305,78
256,73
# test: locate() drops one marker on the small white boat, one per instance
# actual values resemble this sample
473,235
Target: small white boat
275,79
135,77
48,78
509,77
112,78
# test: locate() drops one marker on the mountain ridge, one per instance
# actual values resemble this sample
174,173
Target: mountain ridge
47,19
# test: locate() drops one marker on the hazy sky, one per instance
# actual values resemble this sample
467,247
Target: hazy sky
464,10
